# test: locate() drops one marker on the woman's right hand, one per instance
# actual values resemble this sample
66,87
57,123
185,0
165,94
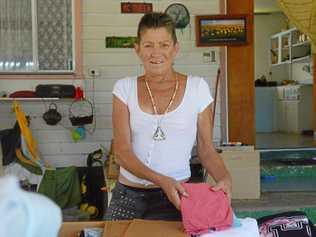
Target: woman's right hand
173,190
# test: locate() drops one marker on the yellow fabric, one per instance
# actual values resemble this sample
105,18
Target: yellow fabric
25,131
302,13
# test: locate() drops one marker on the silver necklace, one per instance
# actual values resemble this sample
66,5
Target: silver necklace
159,135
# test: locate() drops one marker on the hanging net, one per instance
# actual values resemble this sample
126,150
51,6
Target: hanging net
302,14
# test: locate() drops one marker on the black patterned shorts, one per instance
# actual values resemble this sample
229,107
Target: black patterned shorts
138,203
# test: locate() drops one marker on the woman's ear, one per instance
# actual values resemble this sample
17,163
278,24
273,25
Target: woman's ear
136,48
177,48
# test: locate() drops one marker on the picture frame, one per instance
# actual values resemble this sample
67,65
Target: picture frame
220,30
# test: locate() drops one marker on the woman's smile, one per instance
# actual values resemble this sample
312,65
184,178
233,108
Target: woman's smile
156,61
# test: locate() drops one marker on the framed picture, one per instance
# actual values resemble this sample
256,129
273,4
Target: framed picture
216,30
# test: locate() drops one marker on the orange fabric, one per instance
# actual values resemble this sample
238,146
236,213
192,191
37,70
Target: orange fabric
204,209
21,157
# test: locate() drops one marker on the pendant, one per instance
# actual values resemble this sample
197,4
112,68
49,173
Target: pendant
159,134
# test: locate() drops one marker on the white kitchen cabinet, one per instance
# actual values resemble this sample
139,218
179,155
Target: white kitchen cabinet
288,116
295,108
266,109
282,124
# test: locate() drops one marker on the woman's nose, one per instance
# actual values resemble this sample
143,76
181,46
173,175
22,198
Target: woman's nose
156,50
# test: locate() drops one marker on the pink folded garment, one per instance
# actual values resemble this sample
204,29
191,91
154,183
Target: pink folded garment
205,210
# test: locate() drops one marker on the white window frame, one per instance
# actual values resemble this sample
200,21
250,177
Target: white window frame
75,73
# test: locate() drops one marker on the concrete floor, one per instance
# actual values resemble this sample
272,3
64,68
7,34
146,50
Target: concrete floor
277,201
279,140
274,203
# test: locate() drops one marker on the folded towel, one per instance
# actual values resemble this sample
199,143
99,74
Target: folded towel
205,209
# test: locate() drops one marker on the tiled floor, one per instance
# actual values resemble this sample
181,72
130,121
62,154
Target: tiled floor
283,141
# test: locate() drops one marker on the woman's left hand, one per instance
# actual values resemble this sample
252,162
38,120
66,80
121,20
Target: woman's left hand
225,185
173,189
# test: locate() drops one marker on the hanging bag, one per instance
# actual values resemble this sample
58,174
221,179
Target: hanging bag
94,197
52,116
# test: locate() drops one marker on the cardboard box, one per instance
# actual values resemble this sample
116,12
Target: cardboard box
146,228
71,229
133,228
115,228
243,162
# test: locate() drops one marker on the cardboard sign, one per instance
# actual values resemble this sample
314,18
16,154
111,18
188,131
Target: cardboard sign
136,7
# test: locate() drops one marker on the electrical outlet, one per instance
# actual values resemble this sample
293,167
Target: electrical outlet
206,57
93,72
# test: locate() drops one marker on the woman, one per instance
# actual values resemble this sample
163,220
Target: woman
156,120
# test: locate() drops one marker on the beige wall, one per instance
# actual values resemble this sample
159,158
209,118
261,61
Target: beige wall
101,18
265,26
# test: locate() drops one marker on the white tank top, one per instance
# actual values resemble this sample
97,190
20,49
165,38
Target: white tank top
170,157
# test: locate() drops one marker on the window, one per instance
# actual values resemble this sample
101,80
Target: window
38,36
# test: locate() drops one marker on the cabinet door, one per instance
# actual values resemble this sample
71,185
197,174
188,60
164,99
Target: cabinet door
274,50
292,116
282,121
285,43
305,106
265,97
288,116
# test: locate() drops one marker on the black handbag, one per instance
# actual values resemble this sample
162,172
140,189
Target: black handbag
81,112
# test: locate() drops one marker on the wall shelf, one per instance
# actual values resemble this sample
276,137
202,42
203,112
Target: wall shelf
306,43
282,63
302,59
28,99
289,47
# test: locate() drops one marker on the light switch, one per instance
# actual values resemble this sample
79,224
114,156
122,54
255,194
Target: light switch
209,57
213,56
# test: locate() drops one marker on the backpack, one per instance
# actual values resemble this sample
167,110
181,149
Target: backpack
93,193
